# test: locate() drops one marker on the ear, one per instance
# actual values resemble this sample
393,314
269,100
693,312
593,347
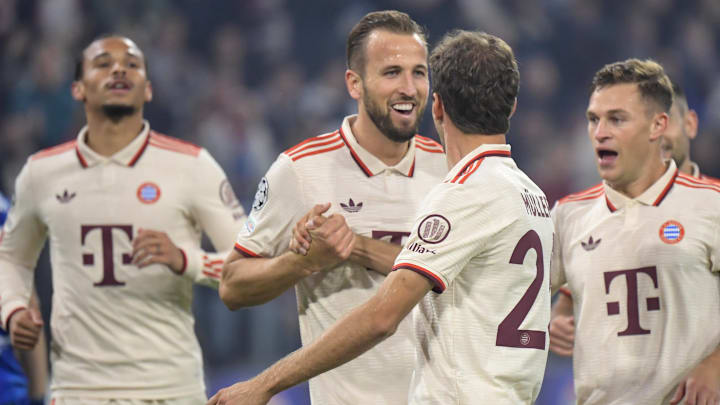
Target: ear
658,126
148,92
77,89
513,109
690,122
438,110
353,82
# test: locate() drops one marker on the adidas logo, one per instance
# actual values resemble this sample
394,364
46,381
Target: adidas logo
351,207
591,244
65,197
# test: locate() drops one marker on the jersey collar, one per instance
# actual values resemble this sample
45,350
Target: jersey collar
368,163
481,152
127,156
653,196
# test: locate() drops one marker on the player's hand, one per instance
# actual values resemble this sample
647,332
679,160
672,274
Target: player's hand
245,393
700,387
25,327
562,334
332,242
300,242
155,247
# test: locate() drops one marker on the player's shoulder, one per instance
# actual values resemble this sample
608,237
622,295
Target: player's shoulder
698,186
160,141
427,145
710,179
585,197
55,152
315,148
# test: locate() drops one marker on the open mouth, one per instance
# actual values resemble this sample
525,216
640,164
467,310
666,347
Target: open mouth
403,108
119,85
606,156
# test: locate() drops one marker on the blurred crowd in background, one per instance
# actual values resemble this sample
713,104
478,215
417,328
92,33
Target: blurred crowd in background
249,79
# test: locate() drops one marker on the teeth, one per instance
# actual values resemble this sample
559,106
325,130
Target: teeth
403,107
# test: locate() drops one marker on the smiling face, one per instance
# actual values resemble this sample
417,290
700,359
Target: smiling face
394,83
113,76
624,130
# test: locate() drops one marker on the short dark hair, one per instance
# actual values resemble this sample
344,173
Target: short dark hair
476,76
650,77
388,20
80,56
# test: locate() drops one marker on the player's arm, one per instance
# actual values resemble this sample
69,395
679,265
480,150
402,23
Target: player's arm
34,363
562,324
371,253
354,334
23,237
250,281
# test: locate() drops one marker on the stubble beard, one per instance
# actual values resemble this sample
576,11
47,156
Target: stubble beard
116,112
384,123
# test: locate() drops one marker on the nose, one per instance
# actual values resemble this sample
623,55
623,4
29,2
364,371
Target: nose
600,131
118,69
408,87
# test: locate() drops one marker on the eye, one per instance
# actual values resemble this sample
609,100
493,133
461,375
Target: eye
616,120
420,73
392,73
592,120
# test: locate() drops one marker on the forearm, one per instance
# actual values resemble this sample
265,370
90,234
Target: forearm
562,306
375,254
355,334
34,363
254,281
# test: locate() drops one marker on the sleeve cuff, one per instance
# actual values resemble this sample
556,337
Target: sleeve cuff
8,310
245,251
439,284
565,292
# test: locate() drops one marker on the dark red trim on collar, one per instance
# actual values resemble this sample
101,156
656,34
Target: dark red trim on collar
412,168
610,205
80,157
140,152
355,157
665,192
498,153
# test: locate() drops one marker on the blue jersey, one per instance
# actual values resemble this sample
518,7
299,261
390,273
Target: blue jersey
13,384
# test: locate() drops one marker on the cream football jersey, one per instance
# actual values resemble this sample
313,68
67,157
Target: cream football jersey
484,239
377,201
118,330
643,274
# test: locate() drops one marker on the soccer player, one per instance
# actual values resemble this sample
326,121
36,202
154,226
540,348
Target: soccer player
481,243
374,171
681,129
640,255
123,208
23,374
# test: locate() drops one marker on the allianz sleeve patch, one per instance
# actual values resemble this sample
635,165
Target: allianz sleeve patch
261,195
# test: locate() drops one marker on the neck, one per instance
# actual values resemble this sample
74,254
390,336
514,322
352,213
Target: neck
369,137
107,137
686,167
638,186
459,144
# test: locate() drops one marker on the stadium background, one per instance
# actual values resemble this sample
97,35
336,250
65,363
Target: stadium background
248,79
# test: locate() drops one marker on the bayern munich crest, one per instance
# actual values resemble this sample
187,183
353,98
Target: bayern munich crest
433,229
672,232
148,193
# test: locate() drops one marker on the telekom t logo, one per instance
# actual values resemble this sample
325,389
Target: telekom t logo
633,311
108,279
395,237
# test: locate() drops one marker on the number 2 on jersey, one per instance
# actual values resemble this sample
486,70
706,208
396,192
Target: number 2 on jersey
509,333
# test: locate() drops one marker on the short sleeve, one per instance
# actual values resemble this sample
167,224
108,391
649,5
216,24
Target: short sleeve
279,203
454,225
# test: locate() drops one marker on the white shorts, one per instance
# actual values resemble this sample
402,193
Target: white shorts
199,399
